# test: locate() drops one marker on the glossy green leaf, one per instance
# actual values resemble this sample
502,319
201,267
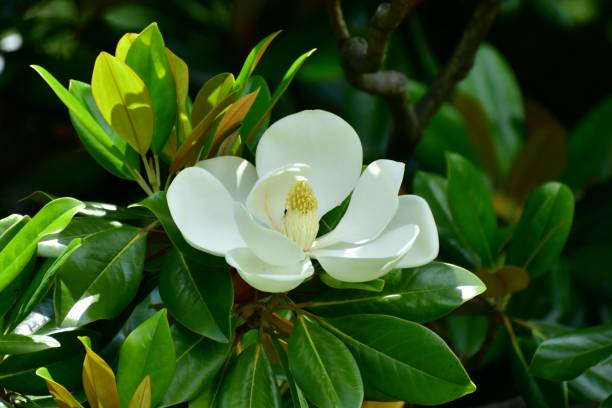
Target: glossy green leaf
39,286
7,223
297,396
543,229
147,351
433,189
180,73
492,83
199,296
323,367
375,285
469,201
147,57
51,219
101,146
259,108
101,277
467,333
250,381
198,361
21,344
403,359
210,95
594,384
253,59
567,356
591,139
420,294
278,92
123,100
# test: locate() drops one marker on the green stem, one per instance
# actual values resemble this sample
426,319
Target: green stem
157,171
514,341
141,182
149,171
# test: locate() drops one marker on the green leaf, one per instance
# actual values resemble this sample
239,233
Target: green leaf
101,277
198,360
51,219
594,384
259,108
199,296
210,95
403,359
492,83
253,59
467,333
420,294
250,381
8,223
39,286
543,229
98,379
147,351
21,344
375,285
99,144
591,139
62,397
297,397
567,356
278,92
433,189
180,73
147,57
123,100
323,367
469,200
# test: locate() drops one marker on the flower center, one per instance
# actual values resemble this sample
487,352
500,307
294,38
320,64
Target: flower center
300,220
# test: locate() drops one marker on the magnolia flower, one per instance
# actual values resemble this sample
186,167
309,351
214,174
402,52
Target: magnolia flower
264,219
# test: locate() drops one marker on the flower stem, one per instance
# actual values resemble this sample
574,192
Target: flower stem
141,182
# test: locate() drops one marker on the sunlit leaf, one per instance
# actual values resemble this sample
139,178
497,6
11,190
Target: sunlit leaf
253,59
62,397
210,95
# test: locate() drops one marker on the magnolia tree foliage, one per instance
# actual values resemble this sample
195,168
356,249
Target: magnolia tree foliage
268,266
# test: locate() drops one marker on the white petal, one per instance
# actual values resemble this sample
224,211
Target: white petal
322,140
203,211
267,198
413,209
267,244
369,261
237,175
265,277
373,204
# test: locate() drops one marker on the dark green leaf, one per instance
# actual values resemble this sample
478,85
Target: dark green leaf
375,285
323,367
567,356
467,333
297,397
594,384
420,294
250,382
51,219
258,109
147,351
101,277
403,359
197,295
469,200
543,229
198,360
147,56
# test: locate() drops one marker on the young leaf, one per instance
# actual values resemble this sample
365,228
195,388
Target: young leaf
101,277
403,359
323,367
62,397
98,380
505,280
142,395
147,351
420,294
253,59
469,200
199,296
567,356
123,45
51,219
198,360
543,228
123,101
21,344
210,95
180,73
93,136
147,57
250,381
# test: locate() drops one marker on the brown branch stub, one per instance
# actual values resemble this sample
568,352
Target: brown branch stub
461,60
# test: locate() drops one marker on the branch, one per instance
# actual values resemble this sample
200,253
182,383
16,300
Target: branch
460,62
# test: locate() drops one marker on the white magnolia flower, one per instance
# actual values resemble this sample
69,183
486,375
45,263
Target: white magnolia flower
265,219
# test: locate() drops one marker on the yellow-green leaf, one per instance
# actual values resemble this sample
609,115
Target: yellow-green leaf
142,395
98,380
123,46
180,73
210,95
253,59
62,397
123,101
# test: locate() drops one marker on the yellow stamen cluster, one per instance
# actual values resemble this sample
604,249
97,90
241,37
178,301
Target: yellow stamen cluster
300,220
